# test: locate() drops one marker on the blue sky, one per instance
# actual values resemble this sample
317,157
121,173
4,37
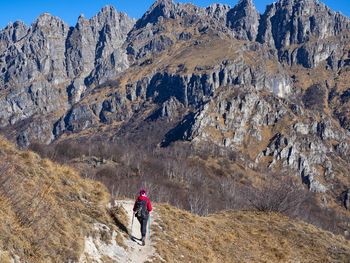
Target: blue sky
69,10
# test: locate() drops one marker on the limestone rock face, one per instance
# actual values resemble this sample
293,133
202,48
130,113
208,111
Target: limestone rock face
289,22
48,66
305,23
33,68
161,8
13,33
218,11
241,120
243,19
94,49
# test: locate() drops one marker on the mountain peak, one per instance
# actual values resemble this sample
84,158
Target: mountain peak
13,32
82,16
46,19
294,2
166,2
44,16
218,11
163,5
107,9
82,20
244,20
161,8
109,15
296,21
245,3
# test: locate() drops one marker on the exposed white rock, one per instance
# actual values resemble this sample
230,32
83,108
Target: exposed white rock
96,249
281,87
302,128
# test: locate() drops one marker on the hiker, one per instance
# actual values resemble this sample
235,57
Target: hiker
141,209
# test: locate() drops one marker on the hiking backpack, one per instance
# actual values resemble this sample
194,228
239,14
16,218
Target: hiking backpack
141,209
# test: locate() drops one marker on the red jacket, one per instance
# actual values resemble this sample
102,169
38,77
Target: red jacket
149,207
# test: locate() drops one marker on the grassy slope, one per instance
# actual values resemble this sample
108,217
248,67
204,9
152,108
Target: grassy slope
46,209
244,236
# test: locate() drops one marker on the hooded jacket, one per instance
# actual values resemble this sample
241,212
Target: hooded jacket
142,197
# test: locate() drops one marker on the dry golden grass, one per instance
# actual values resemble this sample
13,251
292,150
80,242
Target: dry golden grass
46,209
244,236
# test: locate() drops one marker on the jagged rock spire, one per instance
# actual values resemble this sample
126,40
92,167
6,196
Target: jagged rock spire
12,33
161,8
243,19
218,11
288,22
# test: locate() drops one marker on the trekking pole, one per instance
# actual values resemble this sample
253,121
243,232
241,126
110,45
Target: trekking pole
132,223
149,227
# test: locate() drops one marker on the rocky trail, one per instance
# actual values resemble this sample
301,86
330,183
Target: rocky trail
136,252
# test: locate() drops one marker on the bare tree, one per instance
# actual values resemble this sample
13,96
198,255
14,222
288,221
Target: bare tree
199,204
227,188
279,193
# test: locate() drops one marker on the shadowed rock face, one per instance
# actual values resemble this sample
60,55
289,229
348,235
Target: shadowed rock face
273,84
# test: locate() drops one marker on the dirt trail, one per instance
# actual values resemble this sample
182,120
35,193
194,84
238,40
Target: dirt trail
137,252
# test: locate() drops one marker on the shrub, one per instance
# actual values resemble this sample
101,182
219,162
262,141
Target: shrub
279,193
179,175
314,97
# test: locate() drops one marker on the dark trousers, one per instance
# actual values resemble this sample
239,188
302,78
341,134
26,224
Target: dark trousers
143,222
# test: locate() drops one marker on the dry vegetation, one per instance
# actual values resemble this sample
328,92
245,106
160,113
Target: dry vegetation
244,236
46,209
202,180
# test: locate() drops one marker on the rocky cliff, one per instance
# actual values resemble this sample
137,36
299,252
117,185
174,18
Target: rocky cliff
273,86
45,68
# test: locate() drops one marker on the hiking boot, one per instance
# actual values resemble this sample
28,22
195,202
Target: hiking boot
143,241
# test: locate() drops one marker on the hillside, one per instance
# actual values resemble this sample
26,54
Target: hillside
47,210
49,214
244,236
